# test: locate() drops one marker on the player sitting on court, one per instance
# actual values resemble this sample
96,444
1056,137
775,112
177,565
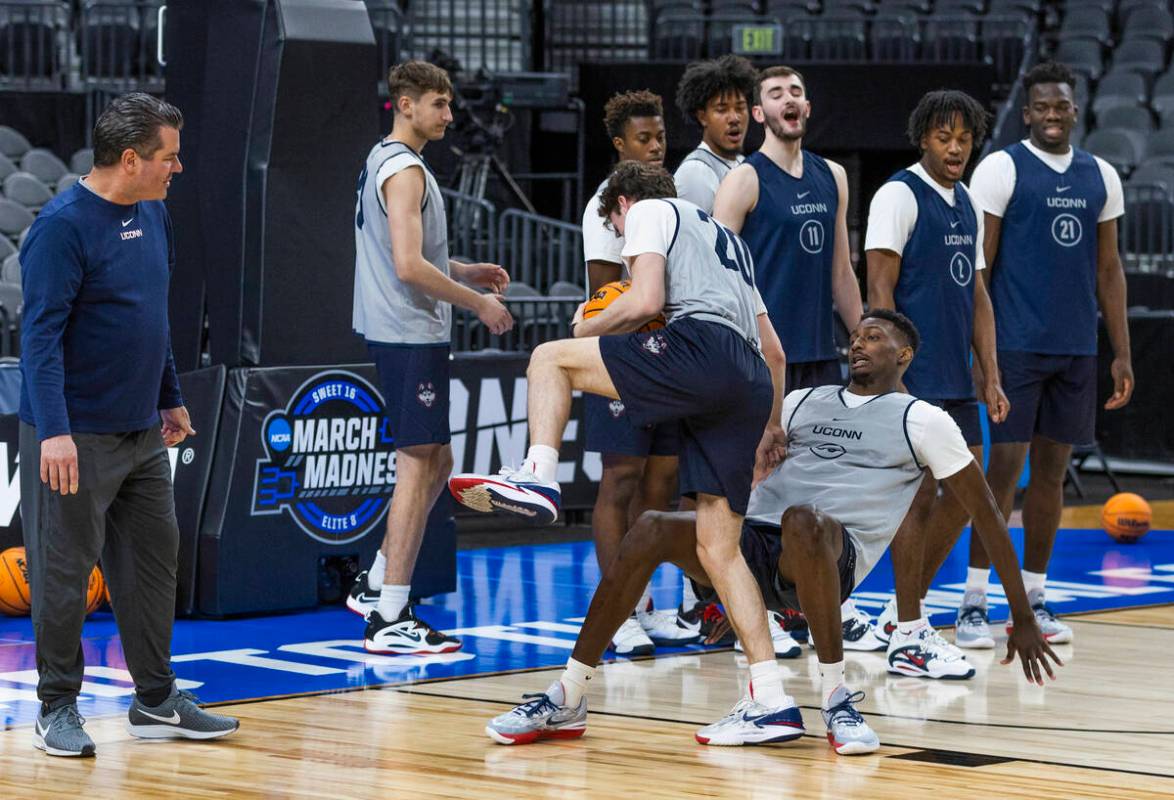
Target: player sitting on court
815,527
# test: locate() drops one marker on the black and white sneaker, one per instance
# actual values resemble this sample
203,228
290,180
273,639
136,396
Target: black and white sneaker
177,717
408,635
363,599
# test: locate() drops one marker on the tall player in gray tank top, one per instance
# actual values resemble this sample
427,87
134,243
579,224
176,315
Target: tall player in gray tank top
405,286
706,369
715,96
849,476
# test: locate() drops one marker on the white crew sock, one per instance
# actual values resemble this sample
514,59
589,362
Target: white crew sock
644,604
542,461
1034,580
907,628
831,677
377,571
392,600
766,685
978,580
575,679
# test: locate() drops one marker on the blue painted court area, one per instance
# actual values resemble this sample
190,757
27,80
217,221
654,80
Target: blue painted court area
516,608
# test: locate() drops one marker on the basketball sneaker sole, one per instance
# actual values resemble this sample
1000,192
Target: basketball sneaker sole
535,736
487,495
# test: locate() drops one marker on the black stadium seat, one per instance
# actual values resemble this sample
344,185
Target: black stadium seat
1147,56
1116,147
1119,89
1083,55
950,40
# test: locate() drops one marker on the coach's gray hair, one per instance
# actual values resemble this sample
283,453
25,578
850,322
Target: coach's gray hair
132,120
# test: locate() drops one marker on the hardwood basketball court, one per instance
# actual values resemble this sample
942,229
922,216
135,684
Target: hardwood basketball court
1100,731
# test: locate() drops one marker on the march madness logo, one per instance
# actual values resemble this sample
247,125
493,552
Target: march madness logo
330,462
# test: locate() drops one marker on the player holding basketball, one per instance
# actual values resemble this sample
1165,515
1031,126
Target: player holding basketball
1051,215
716,96
405,285
784,202
924,250
815,527
639,462
705,369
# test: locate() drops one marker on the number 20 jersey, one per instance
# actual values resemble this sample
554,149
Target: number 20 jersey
709,274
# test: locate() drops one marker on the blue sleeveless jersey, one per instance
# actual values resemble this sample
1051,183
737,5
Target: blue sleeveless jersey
1044,281
791,235
936,290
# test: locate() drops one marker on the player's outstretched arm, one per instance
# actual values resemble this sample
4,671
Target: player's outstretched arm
970,487
737,195
402,194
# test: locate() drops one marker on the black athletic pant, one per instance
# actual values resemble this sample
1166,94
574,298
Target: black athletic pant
124,512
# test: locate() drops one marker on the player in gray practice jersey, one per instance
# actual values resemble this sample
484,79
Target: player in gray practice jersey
822,518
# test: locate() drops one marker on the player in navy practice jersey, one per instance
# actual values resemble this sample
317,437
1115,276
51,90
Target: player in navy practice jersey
1051,215
716,367
924,253
639,463
791,208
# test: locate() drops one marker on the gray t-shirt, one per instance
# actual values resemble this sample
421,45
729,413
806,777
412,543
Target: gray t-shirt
385,308
859,459
708,270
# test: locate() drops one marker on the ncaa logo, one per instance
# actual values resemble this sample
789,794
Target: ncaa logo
961,270
1067,230
329,463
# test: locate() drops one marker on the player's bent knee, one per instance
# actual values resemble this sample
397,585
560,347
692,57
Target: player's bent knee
804,527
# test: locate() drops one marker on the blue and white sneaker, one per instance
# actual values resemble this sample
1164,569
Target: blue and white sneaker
750,722
925,654
515,491
848,733
858,631
541,716
972,628
1054,631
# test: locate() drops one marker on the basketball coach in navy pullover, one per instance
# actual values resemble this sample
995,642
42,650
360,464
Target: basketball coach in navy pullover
100,403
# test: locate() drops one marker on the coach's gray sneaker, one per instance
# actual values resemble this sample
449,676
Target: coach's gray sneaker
177,717
59,733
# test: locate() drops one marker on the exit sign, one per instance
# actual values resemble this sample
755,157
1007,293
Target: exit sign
758,40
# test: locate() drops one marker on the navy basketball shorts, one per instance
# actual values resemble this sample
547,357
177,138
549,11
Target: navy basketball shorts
414,380
711,379
762,544
610,431
965,415
1053,396
810,374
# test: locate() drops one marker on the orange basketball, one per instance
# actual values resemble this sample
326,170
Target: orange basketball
95,591
607,293
1127,517
14,582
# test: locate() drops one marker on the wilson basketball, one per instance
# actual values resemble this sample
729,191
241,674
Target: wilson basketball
1127,517
604,297
95,591
14,582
